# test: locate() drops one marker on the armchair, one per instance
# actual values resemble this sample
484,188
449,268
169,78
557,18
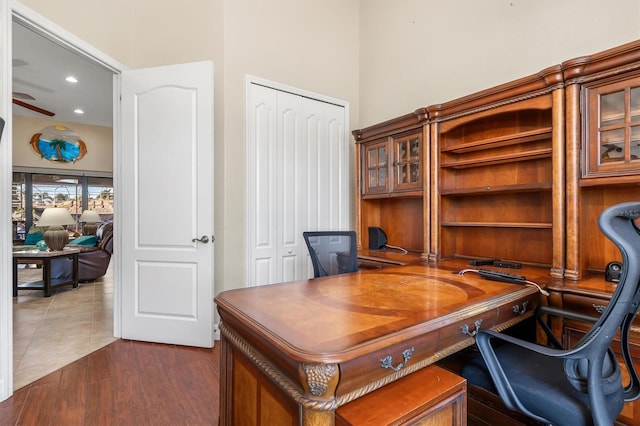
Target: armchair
332,252
580,385
92,261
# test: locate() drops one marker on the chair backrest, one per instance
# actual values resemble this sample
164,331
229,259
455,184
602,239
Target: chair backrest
332,252
105,237
619,224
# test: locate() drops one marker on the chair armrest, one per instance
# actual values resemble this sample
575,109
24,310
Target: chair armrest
557,312
549,310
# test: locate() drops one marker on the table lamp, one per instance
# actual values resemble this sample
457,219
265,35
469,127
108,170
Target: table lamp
54,218
89,217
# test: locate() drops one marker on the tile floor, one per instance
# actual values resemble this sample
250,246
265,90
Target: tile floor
51,332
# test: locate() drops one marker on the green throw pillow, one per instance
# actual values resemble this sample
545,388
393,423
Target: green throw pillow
32,238
85,240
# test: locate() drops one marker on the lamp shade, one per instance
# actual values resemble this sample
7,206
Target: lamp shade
55,218
89,216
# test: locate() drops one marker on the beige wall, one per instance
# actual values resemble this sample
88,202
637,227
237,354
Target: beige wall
417,53
98,139
309,44
385,57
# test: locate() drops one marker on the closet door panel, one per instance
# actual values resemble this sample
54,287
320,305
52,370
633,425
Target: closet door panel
261,158
297,180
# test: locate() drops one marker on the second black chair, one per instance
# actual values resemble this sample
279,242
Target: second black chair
332,252
581,385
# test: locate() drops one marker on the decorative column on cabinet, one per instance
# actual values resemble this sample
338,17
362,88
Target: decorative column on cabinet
603,143
497,162
392,172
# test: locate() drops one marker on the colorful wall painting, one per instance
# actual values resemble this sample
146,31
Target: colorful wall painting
59,144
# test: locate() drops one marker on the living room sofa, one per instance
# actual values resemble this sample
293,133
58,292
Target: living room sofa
92,261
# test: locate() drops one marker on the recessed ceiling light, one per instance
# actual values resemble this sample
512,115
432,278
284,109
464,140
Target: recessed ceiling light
71,79
78,111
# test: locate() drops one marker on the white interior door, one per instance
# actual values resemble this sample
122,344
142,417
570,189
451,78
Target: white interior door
298,178
167,186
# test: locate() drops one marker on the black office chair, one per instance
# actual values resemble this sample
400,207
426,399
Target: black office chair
332,252
581,385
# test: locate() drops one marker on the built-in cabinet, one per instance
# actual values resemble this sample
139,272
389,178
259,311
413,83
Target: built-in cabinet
603,133
496,162
612,124
392,165
521,172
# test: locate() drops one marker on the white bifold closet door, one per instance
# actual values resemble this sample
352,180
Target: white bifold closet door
297,179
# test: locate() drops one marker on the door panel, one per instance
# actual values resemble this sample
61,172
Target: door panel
261,227
167,164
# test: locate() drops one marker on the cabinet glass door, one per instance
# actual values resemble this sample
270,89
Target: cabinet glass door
613,134
376,168
407,162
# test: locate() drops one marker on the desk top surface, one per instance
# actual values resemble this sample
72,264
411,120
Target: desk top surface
343,316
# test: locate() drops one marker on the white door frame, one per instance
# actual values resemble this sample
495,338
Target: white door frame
8,10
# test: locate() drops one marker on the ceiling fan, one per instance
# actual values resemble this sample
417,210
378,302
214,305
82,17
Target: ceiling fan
17,96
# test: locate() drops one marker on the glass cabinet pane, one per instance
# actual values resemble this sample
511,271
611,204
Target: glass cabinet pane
382,157
612,109
612,138
402,174
635,142
414,149
635,104
402,151
372,157
612,146
373,178
415,173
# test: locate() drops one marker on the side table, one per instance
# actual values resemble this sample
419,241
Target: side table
44,257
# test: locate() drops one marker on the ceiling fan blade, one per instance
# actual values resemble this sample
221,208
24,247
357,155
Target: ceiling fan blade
33,108
20,95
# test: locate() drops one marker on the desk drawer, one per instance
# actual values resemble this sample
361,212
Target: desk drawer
363,371
431,395
517,311
587,305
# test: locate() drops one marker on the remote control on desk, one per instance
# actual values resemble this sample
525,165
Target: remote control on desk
502,276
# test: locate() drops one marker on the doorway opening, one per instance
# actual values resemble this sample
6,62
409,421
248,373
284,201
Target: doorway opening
60,40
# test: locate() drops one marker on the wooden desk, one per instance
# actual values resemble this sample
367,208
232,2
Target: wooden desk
292,353
44,257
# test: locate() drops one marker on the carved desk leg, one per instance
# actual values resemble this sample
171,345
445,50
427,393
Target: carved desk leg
319,382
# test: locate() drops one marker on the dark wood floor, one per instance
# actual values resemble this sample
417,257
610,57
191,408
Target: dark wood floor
124,383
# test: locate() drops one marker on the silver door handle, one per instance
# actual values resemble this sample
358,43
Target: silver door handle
204,239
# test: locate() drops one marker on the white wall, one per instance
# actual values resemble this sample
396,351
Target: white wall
417,53
309,44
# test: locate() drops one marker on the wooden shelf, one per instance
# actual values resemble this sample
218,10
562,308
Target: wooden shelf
512,139
498,159
396,194
530,225
501,189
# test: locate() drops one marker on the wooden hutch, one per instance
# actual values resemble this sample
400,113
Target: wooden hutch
518,172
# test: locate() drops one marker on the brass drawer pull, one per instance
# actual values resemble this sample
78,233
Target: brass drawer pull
518,310
465,328
387,361
599,308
